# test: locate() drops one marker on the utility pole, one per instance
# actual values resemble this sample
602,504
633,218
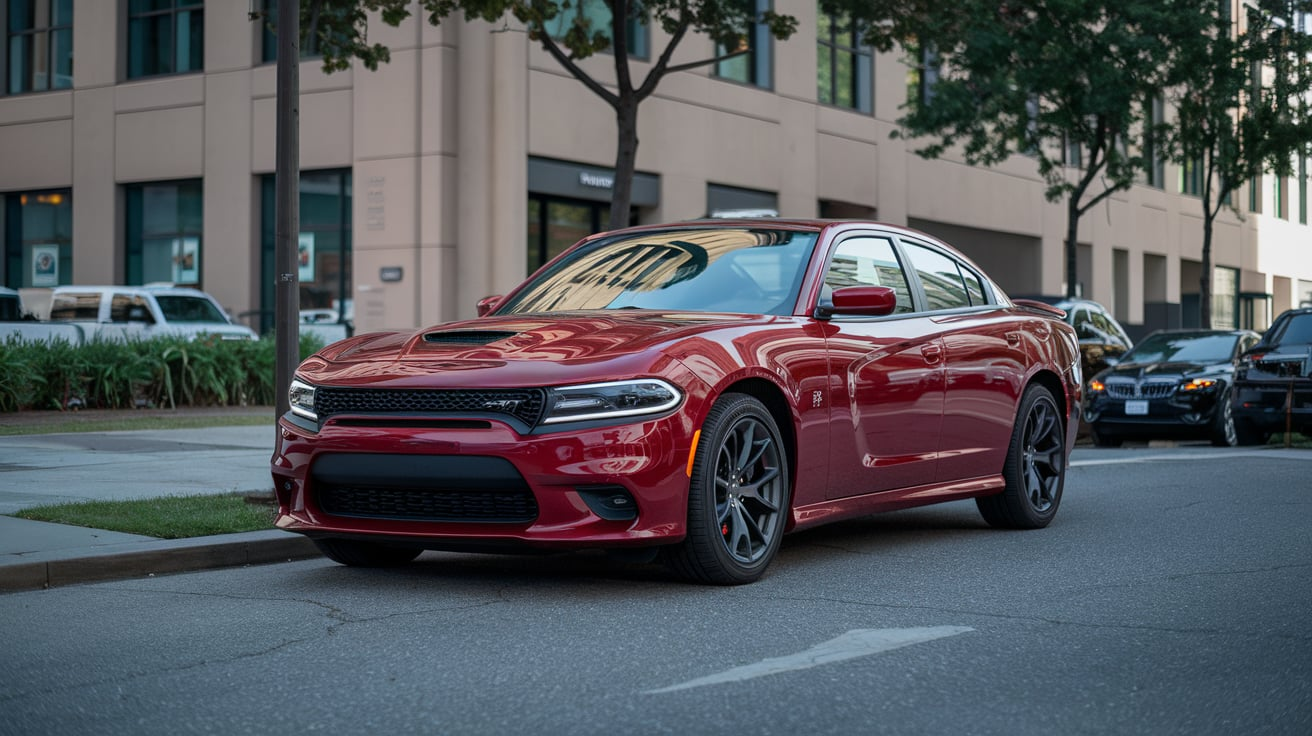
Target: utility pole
287,205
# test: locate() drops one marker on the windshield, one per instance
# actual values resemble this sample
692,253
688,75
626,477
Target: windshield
689,270
189,309
1191,348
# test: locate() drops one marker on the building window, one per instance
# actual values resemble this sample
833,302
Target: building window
922,74
556,223
323,247
596,13
845,67
1191,177
1154,162
164,223
1302,191
38,238
38,45
165,37
727,201
754,66
1255,194
1225,298
1281,210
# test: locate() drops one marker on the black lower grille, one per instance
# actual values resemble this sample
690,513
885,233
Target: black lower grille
498,507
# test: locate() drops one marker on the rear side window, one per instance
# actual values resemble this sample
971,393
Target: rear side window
69,307
941,277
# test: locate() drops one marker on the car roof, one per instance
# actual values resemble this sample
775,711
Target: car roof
154,289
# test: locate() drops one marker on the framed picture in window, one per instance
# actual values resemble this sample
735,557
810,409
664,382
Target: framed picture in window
186,260
305,258
45,265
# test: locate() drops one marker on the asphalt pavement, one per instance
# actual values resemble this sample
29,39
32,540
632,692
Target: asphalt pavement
37,469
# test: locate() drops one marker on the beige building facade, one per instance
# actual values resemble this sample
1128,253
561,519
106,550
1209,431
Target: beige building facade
454,169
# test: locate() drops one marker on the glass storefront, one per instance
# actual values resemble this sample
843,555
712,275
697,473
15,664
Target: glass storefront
556,223
164,224
38,233
323,247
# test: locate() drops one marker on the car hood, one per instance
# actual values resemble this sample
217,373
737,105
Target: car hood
515,350
1169,369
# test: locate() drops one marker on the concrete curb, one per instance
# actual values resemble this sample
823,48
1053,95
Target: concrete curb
155,557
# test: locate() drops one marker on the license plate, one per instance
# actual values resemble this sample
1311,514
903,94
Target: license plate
1136,408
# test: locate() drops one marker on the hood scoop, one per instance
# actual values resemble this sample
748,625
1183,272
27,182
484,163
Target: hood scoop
467,337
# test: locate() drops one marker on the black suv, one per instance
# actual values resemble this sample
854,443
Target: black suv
1273,384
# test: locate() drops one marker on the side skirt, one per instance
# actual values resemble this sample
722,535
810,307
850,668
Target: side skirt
872,503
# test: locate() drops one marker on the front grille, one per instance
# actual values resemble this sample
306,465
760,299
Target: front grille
523,404
1128,390
497,507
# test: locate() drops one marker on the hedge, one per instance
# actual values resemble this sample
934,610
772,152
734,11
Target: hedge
164,372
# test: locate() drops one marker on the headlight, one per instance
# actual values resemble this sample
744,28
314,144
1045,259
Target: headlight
1096,386
610,400
301,398
1198,384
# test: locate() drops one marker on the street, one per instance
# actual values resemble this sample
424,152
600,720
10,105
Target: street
1171,595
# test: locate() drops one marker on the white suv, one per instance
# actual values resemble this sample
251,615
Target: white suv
142,312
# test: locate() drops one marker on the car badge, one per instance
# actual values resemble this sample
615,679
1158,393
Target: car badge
503,405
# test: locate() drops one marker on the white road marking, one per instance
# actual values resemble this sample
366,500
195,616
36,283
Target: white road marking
1219,454
853,644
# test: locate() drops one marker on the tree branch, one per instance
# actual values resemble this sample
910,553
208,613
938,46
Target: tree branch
704,62
658,70
575,70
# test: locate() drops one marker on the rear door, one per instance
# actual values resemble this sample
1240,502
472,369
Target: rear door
984,363
886,378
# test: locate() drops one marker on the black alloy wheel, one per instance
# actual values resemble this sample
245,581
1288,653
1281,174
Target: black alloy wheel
1035,469
738,496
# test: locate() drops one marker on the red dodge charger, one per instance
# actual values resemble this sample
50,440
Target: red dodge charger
695,390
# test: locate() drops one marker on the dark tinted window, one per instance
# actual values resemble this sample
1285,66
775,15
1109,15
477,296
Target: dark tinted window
941,277
867,261
1164,348
189,309
1297,330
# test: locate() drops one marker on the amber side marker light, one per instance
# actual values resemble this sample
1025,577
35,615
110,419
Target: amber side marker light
692,451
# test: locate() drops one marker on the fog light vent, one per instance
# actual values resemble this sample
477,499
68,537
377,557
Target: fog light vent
612,503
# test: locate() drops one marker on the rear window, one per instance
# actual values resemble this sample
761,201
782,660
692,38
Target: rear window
68,307
1297,330
190,309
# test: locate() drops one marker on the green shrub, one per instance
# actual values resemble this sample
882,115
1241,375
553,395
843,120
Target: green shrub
160,372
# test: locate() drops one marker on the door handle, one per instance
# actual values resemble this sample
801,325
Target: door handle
932,353
1013,339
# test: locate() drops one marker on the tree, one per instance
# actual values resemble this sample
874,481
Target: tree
569,30
1242,108
1052,79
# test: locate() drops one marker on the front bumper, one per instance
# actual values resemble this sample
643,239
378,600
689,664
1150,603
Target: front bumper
1173,416
484,485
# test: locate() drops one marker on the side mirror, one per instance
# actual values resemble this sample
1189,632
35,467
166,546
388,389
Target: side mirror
870,301
487,304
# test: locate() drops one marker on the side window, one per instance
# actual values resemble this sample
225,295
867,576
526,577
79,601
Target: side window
118,308
868,262
974,287
83,307
941,277
1083,327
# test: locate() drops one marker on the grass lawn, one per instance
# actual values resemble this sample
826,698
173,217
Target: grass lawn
170,517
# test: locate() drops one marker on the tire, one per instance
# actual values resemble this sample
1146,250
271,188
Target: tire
738,496
1224,432
1035,470
1103,439
355,553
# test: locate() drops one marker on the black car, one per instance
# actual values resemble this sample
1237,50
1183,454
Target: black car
1273,386
1174,384
1101,336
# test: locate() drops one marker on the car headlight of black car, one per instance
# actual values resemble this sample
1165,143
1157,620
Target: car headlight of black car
1198,385
300,396
613,399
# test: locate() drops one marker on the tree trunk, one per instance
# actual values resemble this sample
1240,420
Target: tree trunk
1205,280
1072,250
626,158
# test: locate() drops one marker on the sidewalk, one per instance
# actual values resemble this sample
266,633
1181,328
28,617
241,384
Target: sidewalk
38,469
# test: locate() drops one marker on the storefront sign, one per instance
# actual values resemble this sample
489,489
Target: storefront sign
596,181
